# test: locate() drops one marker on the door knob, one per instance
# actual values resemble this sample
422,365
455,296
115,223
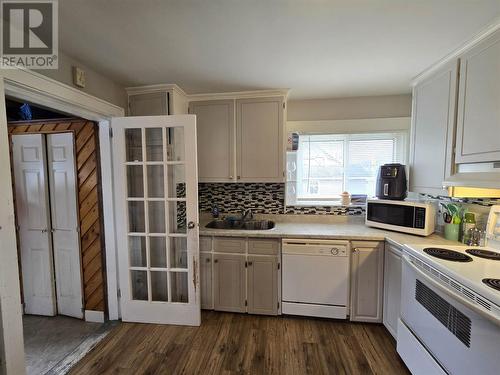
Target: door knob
191,225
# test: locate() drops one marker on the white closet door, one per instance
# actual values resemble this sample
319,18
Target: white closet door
65,235
33,219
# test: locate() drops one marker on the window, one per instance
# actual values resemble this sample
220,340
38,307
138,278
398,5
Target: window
325,165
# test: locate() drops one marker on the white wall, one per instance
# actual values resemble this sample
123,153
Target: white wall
97,84
365,107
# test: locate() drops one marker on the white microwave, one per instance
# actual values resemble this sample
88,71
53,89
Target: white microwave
403,216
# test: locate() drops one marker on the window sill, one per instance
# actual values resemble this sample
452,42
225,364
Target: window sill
325,204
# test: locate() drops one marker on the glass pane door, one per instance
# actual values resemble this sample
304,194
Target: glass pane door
160,194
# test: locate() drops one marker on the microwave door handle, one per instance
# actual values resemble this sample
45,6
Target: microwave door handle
386,189
451,294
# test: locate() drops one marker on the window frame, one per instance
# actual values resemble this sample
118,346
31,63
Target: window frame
400,152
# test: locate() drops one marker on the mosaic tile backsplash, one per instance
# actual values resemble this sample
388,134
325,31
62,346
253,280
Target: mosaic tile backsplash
263,198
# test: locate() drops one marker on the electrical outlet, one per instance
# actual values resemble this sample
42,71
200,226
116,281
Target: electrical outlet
78,77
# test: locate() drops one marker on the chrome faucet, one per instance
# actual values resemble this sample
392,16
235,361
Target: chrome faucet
246,215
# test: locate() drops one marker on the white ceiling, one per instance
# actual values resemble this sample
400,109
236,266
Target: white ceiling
317,48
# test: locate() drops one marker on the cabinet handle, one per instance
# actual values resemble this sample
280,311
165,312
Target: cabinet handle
355,250
250,263
230,177
238,177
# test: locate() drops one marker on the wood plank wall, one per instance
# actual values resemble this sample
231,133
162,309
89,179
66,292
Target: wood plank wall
89,200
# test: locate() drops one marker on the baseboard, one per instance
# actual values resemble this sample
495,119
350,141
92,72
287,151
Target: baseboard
94,316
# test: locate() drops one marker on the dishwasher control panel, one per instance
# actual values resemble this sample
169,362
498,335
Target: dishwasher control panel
316,247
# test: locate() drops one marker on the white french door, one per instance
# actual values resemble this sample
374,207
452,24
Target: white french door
156,202
65,225
32,207
47,213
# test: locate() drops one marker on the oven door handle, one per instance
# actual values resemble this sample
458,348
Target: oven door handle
464,301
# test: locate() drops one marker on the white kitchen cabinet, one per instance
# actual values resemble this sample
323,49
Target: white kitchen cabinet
392,288
229,282
260,139
148,104
206,286
262,284
367,274
433,131
156,100
215,127
478,120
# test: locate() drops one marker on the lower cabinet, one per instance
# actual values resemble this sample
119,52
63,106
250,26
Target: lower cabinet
262,284
392,288
240,275
229,282
206,285
367,274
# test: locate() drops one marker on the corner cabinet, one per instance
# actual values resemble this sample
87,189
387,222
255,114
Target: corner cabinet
433,131
367,275
260,140
215,127
478,122
392,288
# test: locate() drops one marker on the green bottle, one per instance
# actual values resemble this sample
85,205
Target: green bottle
468,223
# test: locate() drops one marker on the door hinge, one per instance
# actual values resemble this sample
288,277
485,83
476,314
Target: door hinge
119,293
246,303
110,132
284,105
278,305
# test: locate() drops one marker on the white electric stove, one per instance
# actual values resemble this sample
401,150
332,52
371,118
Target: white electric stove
450,306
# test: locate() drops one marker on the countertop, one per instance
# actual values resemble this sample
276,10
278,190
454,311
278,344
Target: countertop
340,228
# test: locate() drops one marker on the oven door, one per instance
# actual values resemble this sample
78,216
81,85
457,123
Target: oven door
459,338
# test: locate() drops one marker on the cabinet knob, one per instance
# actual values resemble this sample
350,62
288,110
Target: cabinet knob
250,263
238,177
208,260
216,261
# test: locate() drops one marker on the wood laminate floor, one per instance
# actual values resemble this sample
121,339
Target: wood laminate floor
228,343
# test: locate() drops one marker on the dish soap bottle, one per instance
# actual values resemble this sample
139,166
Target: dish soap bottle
468,224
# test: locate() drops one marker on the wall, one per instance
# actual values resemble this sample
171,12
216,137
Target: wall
96,83
349,108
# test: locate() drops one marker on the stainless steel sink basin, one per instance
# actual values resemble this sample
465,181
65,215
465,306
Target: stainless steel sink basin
238,224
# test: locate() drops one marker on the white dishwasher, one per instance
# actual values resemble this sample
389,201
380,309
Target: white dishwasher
315,278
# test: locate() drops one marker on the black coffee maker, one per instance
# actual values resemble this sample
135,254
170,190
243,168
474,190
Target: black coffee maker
391,182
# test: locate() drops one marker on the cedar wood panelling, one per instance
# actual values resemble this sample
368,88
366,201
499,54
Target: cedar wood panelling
89,200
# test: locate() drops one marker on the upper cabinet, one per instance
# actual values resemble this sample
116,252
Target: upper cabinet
260,142
157,100
456,119
478,122
216,131
240,140
148,104
433,130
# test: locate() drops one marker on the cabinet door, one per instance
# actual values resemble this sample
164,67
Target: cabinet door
229,282
366,281
433,131
215,130
262,288
392,288
150,104
259,125
207,301
478,121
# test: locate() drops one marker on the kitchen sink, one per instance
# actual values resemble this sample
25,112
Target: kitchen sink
242,225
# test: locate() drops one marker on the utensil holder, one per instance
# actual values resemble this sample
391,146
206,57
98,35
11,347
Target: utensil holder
452,232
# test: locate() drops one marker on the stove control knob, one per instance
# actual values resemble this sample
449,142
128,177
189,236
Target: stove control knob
335,251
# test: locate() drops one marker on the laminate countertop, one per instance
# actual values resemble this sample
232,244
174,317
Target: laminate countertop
339,228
